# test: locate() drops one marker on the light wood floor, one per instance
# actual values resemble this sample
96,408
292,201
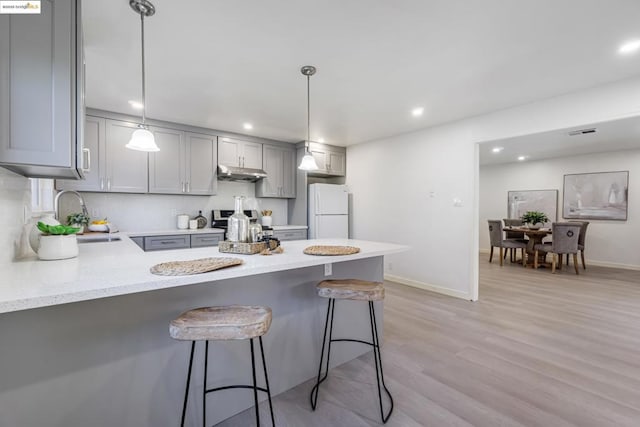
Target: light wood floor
536,350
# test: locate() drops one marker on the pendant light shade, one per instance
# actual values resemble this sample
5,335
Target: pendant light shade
308,163
142,139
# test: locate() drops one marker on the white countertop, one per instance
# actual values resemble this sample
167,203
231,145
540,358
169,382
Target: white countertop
118,268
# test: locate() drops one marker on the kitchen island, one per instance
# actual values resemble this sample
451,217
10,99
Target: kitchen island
85,341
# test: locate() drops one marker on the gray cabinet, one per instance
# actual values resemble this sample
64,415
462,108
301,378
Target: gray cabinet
331,160
279,163
125,170
138,240
185,163
203,240
158,243
283,235
235,152
42,91
94,143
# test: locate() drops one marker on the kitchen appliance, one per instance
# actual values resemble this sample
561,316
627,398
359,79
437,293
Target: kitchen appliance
220,219
328,211
235,173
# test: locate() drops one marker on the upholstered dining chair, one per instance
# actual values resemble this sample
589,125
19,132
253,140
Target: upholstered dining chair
513,235
581,239
565,241
495,236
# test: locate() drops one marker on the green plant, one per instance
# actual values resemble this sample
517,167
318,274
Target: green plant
78,218
56,230
534,217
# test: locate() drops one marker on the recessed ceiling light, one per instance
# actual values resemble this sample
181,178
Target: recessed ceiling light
522,158
247,126
629,47
137,105
321,140
417,112
497,149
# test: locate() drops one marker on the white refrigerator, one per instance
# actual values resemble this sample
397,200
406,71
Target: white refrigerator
328,211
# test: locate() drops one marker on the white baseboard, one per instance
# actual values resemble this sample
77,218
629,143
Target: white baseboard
427,287
591,262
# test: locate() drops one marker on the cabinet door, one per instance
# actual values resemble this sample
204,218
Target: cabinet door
229,152
321,159
94,174
272,165
167,166
126,169
252,155
337,163
201,164
37,72
288,174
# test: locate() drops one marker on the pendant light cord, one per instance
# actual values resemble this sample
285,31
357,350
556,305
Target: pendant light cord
308,110
144,100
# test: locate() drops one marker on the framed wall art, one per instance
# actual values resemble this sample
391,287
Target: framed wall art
599,195
519,202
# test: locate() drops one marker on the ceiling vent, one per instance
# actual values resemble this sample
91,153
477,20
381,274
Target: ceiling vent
582,131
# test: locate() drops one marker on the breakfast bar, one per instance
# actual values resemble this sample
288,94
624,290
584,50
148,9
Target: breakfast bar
85,341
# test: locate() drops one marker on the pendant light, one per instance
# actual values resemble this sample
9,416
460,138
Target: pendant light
308,163
142,139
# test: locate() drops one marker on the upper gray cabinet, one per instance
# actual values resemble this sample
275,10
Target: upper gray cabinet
331,160
185,163
94,143
279,163
235,152
42,92
125,169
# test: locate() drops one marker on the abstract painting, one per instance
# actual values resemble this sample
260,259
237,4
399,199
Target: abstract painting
546,201
600,195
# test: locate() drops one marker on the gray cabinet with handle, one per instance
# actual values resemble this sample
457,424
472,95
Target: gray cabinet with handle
235,152
331,160
203,240
42,91
158,243
94,143
283,235
279,163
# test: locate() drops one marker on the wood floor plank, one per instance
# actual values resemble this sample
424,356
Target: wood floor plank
537,349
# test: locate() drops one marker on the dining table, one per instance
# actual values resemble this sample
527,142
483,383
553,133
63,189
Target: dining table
535,235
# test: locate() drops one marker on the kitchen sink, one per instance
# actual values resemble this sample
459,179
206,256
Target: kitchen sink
98,239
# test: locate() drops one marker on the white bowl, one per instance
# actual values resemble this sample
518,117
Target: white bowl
98,227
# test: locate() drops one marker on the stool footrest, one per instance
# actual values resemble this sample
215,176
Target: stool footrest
352,340
228,387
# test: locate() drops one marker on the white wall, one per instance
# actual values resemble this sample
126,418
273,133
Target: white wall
15,194
391,179
608,242
148,212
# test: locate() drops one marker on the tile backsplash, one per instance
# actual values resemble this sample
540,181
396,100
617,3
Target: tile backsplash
148,212
15,197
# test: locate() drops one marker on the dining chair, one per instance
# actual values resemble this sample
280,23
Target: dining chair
513,235
565,241
581,239
495,237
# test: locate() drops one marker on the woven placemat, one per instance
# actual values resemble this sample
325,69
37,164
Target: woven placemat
331,250
195,266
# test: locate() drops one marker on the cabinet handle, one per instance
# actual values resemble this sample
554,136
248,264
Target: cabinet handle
108,184
88,164
182,187
188,187
101,183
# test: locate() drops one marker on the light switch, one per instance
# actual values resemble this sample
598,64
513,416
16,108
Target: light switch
328,269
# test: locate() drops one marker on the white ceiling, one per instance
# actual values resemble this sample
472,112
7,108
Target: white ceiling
218,63
617,135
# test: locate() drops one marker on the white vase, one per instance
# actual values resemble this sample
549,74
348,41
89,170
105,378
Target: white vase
267,221
58,247
34,234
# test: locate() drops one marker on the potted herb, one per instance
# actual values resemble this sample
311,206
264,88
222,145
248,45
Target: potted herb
535,219
78,220
57,242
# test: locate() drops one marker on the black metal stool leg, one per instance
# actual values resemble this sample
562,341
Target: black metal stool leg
204,387
378,362
328,323
266,380
255,390
186,390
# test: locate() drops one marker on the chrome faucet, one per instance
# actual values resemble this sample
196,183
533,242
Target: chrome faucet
56,203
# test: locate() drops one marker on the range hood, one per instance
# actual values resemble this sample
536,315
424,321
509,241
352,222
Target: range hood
234,173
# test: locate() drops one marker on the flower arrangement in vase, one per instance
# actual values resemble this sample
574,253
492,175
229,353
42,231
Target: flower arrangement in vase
534,219
57,242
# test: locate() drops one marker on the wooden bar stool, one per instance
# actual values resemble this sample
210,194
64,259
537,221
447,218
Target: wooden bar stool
352,289
236,322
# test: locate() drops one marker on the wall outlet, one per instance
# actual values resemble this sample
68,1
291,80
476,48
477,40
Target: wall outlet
390,266
95,213
328,269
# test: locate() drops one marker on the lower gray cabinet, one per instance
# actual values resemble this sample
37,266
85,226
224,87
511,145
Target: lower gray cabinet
139,240
283,235
158,243
202,240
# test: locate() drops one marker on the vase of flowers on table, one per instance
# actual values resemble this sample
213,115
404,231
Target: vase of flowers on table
534,219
